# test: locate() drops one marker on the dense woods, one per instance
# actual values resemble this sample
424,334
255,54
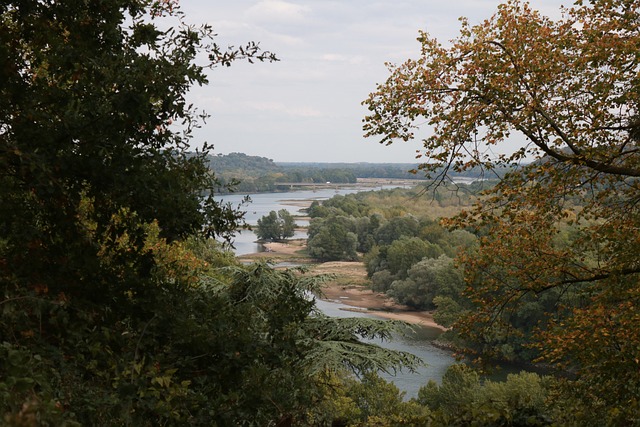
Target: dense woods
254,174
397,233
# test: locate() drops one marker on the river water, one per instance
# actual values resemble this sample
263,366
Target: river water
263,203
419,342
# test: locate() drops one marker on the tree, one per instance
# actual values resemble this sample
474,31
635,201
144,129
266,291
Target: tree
395,228
117,308
97,191
427,279
407,251
369,401
462,399
569,90
276,226
332,239
88,98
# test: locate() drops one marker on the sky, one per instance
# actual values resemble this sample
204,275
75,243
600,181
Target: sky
307,106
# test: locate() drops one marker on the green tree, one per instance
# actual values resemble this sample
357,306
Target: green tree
462,399
427,279
87,134
569,89
116,308
276,226
395,228
332,239
407,251
448,310
368,400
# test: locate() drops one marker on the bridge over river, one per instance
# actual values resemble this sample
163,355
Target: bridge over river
362,182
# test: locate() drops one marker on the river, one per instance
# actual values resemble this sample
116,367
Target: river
263,203
419,343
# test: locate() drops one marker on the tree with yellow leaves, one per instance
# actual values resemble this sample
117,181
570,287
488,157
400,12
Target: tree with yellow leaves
557,102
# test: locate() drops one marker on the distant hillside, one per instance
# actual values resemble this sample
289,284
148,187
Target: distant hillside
260,174
363,170
241,164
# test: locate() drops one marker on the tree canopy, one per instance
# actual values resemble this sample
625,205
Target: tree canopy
557,102
276,226
116,305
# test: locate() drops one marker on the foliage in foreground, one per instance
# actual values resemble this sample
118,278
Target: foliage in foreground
462,398
202,341
570,89
117,308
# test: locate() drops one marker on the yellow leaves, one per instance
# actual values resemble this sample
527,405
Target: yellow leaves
126,241
62,298
28,333
41,289
569,222
174,261
166,379
517,71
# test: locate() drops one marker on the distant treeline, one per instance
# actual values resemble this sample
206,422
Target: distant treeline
260,174
362,170
253,174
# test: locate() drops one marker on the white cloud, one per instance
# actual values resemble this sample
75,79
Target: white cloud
308,105
287,40
278,11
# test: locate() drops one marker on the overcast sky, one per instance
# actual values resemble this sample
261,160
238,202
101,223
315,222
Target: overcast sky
307,107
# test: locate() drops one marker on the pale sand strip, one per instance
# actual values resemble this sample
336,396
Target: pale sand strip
354,295
362,299
421,318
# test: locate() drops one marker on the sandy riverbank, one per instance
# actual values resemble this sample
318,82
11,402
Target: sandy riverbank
349,286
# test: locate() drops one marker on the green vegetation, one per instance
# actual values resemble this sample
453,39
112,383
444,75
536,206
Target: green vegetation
330,239
556,270
253,174
407,253
276,226
462,399
118,308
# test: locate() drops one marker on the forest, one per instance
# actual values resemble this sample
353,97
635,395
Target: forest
255,174
411,255
119,305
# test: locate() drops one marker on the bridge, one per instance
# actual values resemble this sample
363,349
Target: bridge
314,184
361,183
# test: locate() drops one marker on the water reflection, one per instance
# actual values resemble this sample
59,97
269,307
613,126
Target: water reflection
263,203
245,242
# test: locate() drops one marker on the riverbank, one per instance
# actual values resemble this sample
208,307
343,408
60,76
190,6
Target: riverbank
348,285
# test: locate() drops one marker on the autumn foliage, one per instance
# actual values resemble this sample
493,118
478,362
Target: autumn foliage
557,101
